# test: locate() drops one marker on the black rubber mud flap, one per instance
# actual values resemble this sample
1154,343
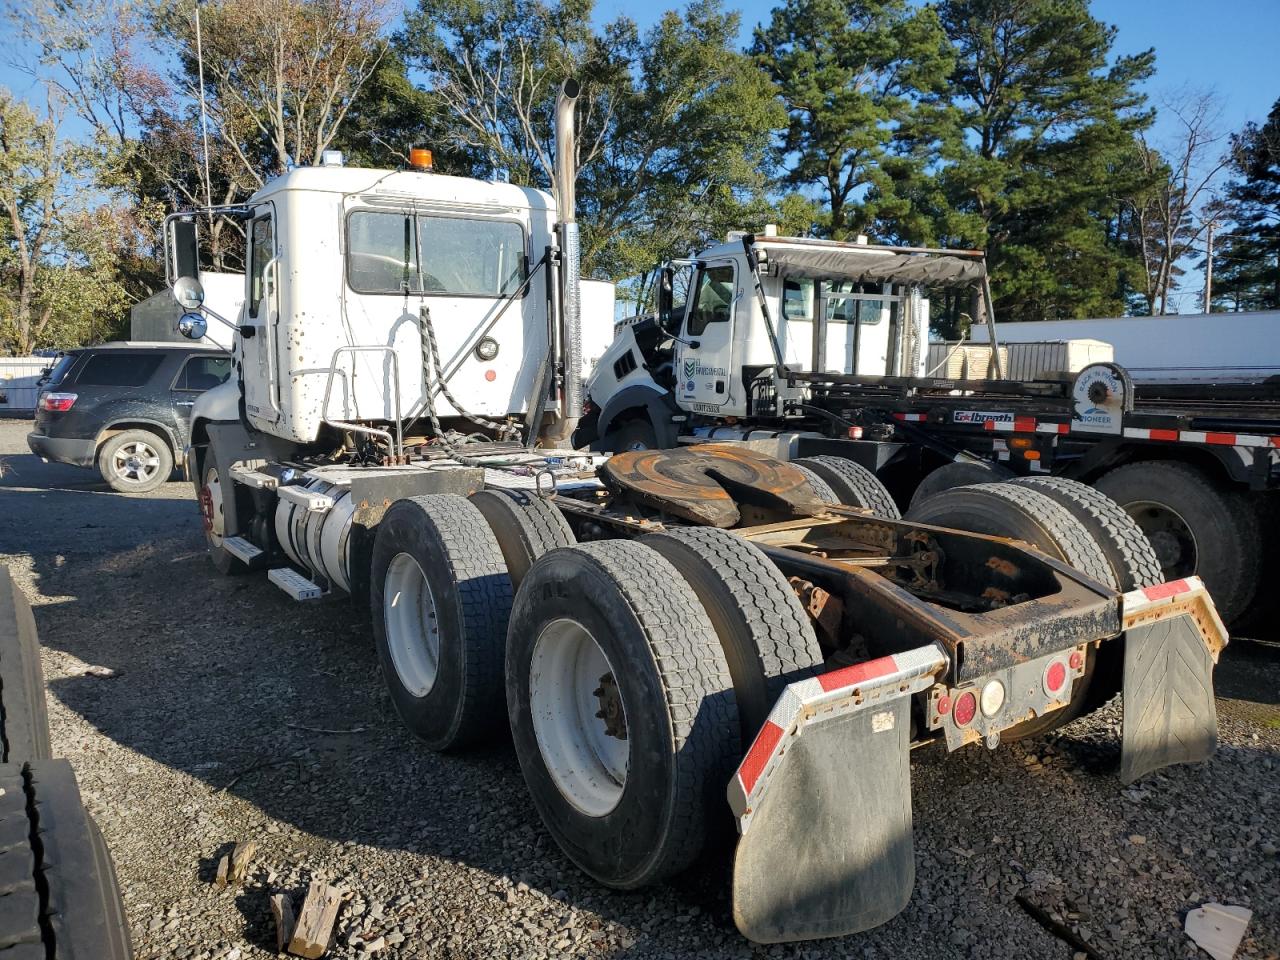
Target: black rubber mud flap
1170,715
829,849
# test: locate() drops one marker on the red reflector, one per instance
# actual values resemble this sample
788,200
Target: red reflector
491,375
944,705
966,709
1077,660
855,433
1055,677
57,402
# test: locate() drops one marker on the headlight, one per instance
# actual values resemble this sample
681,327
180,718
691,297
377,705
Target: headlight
487,349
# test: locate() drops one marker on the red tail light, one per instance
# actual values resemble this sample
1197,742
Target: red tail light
57,402
1055,677
966,708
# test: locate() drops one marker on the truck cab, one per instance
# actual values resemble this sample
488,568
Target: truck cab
730,322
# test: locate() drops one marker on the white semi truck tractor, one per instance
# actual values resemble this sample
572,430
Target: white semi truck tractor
670,638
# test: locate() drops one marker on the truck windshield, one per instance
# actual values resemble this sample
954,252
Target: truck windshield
400,252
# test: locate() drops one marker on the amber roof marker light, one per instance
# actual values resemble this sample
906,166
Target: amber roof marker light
419,158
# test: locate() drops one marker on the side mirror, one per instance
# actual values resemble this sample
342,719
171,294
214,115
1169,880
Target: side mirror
666,291
189,293
193,326
182,249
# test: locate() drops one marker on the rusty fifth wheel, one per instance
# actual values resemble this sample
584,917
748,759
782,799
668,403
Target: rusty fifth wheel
622,709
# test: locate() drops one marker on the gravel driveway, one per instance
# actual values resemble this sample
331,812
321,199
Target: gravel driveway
237,714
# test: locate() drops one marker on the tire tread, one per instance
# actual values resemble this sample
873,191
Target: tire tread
866,487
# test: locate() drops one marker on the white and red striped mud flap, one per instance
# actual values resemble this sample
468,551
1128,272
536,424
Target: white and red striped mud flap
823,801
1172,639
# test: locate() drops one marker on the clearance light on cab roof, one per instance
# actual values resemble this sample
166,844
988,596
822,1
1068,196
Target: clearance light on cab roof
419,158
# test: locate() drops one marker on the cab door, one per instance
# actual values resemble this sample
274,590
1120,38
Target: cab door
704,354
261,314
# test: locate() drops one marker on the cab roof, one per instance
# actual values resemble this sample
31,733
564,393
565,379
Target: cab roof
406,184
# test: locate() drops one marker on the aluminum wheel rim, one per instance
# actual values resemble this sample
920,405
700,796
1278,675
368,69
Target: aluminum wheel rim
413,628
213,487
135,462
1171,536
587,764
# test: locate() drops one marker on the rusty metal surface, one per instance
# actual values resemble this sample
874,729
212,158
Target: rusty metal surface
710,483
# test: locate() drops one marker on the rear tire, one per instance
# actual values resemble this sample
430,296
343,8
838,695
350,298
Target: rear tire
61,898
24,713
766,636
1021,513
525,525
628,791
820,487
960,473
1128,551
135,461
440,599
1198,527
854,484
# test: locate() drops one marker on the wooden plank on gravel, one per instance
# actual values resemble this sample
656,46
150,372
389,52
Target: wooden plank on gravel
282,911
314,928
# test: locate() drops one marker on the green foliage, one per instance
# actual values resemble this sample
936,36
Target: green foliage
674,125
58,256
856,77
1247,269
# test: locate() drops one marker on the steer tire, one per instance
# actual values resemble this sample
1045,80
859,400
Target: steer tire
854,484
451,698
1226,549
820,487
212,513
1128,551
149,476
1021,513
59,898
525,525
959,473
622,606
766,636
24,714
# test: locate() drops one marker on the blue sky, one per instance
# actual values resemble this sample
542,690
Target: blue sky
1229,46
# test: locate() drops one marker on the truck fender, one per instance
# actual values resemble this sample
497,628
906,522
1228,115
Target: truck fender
120,424
657,403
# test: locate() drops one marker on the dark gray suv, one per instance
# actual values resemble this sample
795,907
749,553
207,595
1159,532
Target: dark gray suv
124,408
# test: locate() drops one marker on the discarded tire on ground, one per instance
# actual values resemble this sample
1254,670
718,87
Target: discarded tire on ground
440,598
961,473
60,898
622,710
763,630
1022,513
24,714
525,525
853,484
1197,527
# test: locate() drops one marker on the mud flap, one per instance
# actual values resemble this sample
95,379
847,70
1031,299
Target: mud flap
1172,639
823,800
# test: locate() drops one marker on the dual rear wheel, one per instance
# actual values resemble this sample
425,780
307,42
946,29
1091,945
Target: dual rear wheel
632,672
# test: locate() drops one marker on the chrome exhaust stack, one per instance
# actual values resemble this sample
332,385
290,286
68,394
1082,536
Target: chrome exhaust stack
566,328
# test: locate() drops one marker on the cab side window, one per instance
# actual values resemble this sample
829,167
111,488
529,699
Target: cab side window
262,241
714,300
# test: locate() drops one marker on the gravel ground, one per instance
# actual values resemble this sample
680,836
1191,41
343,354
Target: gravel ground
238,714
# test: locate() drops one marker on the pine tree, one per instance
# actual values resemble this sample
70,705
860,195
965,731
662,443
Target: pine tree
1247,265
